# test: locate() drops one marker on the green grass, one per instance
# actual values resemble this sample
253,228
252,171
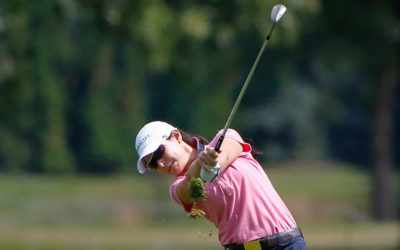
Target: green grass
330,204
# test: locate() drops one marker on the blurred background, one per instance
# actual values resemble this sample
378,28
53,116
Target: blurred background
79,78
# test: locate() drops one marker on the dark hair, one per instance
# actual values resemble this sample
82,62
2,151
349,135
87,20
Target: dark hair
186,137
254,151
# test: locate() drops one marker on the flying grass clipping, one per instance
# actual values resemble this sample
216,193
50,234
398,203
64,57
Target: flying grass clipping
197,192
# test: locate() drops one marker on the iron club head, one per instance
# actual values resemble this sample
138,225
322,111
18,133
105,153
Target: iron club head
277,12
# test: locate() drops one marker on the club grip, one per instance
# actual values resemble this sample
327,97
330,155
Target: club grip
219,143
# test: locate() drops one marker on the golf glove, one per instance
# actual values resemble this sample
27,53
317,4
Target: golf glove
210,174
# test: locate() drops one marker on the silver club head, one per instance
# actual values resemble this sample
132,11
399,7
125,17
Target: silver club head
277,12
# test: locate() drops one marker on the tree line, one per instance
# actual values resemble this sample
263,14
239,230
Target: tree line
79,78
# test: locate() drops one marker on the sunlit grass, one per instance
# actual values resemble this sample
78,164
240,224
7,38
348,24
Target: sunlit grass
329,202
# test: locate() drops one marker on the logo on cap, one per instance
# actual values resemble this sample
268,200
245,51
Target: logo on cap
144,139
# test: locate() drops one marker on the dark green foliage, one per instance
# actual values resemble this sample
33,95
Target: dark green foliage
79,78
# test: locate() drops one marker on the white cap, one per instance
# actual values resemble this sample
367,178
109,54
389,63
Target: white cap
149,138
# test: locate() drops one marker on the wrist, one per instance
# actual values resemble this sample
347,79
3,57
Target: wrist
194,170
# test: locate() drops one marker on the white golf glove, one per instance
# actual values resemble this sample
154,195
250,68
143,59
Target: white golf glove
209,174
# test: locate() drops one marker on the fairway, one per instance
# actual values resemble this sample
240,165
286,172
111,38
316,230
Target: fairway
329,202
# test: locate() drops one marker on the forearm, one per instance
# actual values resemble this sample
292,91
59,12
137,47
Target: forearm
230,150
183,187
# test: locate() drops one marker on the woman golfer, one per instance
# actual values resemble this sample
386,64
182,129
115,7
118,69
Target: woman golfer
241,201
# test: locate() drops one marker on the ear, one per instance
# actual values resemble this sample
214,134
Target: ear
177,135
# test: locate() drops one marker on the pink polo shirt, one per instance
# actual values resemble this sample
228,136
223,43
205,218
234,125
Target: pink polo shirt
241,202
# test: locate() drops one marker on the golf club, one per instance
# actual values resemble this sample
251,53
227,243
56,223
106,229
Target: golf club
276,13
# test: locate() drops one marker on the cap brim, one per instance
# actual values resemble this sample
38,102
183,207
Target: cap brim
141,165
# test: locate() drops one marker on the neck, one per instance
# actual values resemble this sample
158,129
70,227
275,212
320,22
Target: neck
192,155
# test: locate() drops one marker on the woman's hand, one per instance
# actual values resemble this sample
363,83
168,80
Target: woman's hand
230,151
208,158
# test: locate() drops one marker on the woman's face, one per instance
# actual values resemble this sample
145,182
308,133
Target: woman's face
176,156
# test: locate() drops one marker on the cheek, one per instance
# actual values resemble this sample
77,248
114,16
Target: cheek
168,153
172,150
174,153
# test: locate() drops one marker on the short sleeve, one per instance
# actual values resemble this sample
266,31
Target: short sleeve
174,195
232,134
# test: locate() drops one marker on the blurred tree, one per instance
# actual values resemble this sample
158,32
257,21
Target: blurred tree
79,78
382,143
16,94
376,68
110,98
343,88
383,118
55,155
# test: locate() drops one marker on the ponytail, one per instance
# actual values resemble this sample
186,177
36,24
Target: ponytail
254,152
186,137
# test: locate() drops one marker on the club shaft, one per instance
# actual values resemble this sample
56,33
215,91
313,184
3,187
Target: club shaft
270,32
239,98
